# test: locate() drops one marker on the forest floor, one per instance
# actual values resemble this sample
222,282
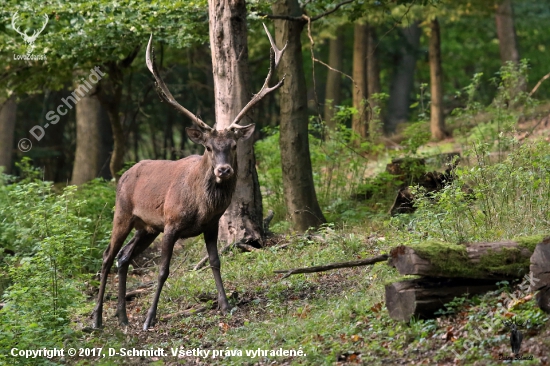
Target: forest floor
331,318
336,317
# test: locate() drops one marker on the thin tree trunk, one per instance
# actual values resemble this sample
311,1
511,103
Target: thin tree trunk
373,80
359,121
8,110
333,93
403,78
504,18
506,32
437,123
110,95
93,140
242,221
298,187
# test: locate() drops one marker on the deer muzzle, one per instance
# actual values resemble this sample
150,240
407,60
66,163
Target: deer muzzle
223,172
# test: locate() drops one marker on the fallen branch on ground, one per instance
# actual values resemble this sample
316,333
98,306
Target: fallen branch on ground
328,267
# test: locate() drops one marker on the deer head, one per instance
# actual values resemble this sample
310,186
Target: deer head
28,39
220,144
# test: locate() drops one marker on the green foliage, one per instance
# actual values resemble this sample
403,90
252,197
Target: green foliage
488,201
338,171
87,33
57,240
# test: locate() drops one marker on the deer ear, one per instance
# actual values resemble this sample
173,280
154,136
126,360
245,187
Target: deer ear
245,132
195,135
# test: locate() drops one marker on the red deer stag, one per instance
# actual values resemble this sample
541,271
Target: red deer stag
181,198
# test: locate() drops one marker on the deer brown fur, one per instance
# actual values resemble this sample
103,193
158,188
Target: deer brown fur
182,199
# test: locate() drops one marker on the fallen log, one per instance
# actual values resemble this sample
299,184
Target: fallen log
504,260
328,267
422,298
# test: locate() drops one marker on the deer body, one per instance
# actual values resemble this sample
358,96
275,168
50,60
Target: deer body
181,198
186,198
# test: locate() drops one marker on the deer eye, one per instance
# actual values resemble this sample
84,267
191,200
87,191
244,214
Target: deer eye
208,149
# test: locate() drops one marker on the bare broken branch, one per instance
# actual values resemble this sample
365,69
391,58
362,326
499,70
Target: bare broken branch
328,267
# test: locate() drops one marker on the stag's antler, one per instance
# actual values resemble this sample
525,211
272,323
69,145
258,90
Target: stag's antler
26,37
163,91
275,57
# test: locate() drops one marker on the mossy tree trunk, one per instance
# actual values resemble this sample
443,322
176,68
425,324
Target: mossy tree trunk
499,260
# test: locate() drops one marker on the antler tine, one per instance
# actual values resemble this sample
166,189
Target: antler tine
275,57
278,52
14,17
163,91
36,33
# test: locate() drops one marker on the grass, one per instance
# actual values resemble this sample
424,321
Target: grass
335,317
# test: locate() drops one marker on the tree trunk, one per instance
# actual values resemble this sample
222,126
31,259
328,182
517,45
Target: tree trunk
110,95
437,122
422,297
299,190
359,121
403,78
506,32
242,221
495,261
373,80
8,110
333,93
93,140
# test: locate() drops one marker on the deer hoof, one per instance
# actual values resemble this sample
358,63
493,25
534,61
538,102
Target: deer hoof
97,321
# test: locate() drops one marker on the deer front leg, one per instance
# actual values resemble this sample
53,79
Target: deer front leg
137,245
168,242
211,240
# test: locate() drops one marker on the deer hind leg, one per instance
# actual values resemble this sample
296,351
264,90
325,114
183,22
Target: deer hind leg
121,229
168,241
141,240
211,240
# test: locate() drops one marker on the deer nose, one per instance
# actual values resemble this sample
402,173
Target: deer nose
224,171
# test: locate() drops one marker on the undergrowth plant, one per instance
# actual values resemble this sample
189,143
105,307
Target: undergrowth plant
338,170
56,242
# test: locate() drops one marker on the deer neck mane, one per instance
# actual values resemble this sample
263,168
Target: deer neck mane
217,195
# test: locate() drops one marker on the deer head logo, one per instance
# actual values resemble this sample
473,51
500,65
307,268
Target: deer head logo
29,39
516,337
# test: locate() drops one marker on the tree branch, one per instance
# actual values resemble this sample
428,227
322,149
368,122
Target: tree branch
330,11
538,84
304,18
328,267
